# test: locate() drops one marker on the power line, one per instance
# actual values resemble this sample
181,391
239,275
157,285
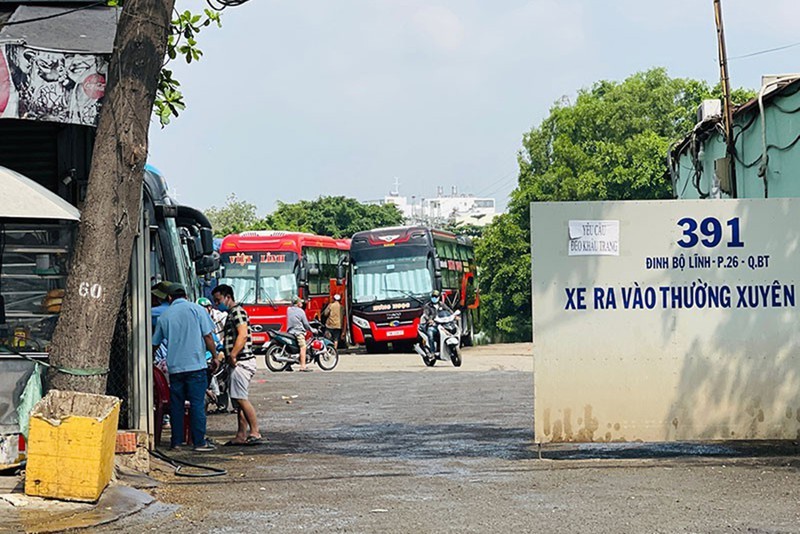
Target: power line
768,51
491,185
219,5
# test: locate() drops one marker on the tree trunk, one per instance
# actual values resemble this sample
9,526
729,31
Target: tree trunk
110,216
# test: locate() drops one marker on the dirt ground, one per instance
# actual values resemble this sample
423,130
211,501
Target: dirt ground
384,444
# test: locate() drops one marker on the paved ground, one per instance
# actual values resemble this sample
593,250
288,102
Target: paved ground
383,444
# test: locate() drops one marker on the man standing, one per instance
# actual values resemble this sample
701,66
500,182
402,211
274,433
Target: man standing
239,350
187,328
333,319
297,325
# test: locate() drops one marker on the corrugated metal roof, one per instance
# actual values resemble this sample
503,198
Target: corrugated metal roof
89,30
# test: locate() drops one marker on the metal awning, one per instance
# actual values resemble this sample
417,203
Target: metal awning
24,199
86,31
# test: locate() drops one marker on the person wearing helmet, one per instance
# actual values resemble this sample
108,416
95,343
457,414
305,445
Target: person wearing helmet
216,315
429,313
297,325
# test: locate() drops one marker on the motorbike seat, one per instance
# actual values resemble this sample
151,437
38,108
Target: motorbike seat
284,337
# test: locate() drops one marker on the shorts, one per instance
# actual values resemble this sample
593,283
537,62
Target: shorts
240,379
301,340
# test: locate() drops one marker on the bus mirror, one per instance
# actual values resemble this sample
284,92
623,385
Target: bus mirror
191,246
339,273
207,239
302,275
206,265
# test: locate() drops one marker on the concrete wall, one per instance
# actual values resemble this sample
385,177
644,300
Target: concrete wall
627,373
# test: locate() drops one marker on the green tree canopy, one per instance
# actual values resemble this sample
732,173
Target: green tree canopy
610,144
332,216
234,217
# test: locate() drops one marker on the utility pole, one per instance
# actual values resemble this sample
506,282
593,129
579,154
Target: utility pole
727,105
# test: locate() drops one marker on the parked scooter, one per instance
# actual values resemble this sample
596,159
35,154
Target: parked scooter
217,397
283,350
448,339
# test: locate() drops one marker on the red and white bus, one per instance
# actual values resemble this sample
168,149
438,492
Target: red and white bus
267,268
392,272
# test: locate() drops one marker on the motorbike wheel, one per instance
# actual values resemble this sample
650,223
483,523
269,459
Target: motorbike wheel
328,359
455,356
429,360
273,364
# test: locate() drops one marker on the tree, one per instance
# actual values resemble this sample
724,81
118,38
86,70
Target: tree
110,220
234,217
504,260
332,216
181,41
611,144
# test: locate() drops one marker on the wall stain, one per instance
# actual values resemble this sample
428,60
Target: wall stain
557,432
547,421
567,424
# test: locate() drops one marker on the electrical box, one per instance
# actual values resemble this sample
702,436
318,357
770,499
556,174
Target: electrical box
709,109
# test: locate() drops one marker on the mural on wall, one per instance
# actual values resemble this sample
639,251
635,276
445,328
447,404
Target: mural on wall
51,86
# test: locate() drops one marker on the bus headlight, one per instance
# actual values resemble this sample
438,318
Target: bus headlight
360,322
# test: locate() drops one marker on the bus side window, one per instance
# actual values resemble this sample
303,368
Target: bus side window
325,272
312,263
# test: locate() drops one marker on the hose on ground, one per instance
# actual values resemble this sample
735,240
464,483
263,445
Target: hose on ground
180,464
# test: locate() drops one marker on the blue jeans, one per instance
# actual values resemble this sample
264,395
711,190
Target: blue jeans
190,386
431,331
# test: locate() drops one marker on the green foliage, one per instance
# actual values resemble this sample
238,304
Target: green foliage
234,217
611,144
469,230
332,216
504,261
181,42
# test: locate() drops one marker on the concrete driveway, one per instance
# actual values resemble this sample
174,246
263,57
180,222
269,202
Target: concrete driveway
384,444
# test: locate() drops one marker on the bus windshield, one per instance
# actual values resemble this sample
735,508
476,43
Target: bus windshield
261,277
379,279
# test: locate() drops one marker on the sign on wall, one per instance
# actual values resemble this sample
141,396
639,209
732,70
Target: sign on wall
666,320
50,85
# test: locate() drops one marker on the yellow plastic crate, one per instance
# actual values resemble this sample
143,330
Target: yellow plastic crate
71,446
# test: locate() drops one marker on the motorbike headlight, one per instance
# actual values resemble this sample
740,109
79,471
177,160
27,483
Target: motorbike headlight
360,322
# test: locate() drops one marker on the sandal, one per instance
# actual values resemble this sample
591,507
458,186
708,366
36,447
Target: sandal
231,443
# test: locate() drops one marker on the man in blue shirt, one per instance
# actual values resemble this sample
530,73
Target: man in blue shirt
158,300
188,330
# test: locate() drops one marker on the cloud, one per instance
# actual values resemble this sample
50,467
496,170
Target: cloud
439,24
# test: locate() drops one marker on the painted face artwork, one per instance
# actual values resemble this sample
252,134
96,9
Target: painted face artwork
51,86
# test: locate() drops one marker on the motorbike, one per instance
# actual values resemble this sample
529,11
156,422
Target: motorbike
448,339
217,398
283,351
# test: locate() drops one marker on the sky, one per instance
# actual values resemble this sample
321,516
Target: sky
294,99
